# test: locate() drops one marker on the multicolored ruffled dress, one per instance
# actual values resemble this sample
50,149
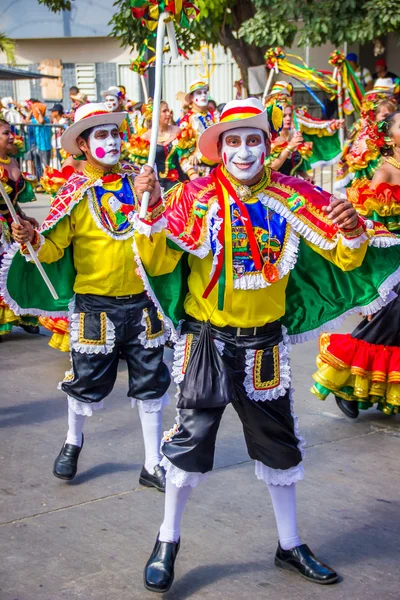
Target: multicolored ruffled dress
18,191
298,161
364,366
169,157
360,158
51,181
323,135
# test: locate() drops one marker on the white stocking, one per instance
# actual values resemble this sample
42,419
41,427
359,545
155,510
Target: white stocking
75,428
175,502
284,502
152,431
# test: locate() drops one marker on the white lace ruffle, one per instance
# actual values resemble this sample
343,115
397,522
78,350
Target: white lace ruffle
284,373
168,324
286,263
148,229
354,243
6,261
386,295
85,348
179,477
146,337
151,406
279,476
217,222
299,227
384,241
84,408
284,476
179,357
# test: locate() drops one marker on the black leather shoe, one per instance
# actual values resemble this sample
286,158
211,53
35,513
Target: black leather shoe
66,463
159,570
157,480
301,560
348,407
32,329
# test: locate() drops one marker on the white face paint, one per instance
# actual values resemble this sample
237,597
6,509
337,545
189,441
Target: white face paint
243,152
200,98
105,144
111,103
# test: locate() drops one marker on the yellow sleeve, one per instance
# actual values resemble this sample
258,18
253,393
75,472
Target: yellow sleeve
56,241
342,256
157,257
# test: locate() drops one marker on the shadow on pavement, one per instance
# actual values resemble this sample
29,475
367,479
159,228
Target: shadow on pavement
31,412
203,576
100,470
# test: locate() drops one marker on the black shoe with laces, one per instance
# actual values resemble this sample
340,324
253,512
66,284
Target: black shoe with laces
66,463
302,561
159,570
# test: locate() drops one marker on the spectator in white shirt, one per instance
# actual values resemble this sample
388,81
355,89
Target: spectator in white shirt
362,73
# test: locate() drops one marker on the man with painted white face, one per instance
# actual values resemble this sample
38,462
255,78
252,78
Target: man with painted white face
85,245
197,120
247,256
114,101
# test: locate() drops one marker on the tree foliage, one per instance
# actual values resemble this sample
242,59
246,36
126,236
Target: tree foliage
8,47
248,27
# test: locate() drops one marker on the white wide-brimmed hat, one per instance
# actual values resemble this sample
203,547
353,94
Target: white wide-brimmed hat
237,113
195,86
113,90
86,116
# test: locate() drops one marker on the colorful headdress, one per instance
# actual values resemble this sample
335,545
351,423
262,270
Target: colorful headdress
195,86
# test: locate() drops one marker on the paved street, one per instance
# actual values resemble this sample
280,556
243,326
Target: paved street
91,538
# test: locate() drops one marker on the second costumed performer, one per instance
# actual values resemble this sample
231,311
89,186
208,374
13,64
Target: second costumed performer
85,244
234,263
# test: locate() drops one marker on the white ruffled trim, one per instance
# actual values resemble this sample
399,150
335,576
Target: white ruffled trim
285,264
340,185
284,368
91,201
354,243
5,267
83,348
179,357
384,241
148,229
152,406
170,330
203,250
84,408
326,163
299,227
155,342
216,226
311,124
179,477
28,257
284,476
386,295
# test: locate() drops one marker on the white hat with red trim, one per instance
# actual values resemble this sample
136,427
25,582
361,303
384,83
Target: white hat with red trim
87,116
195,86
237,113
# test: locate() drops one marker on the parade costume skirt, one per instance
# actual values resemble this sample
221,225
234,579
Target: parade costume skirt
260,375
8,319
363,366
60,329
101,328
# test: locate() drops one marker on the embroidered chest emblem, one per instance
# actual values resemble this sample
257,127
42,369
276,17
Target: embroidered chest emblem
113,212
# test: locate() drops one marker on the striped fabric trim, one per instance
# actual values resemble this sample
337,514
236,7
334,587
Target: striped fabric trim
235,114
